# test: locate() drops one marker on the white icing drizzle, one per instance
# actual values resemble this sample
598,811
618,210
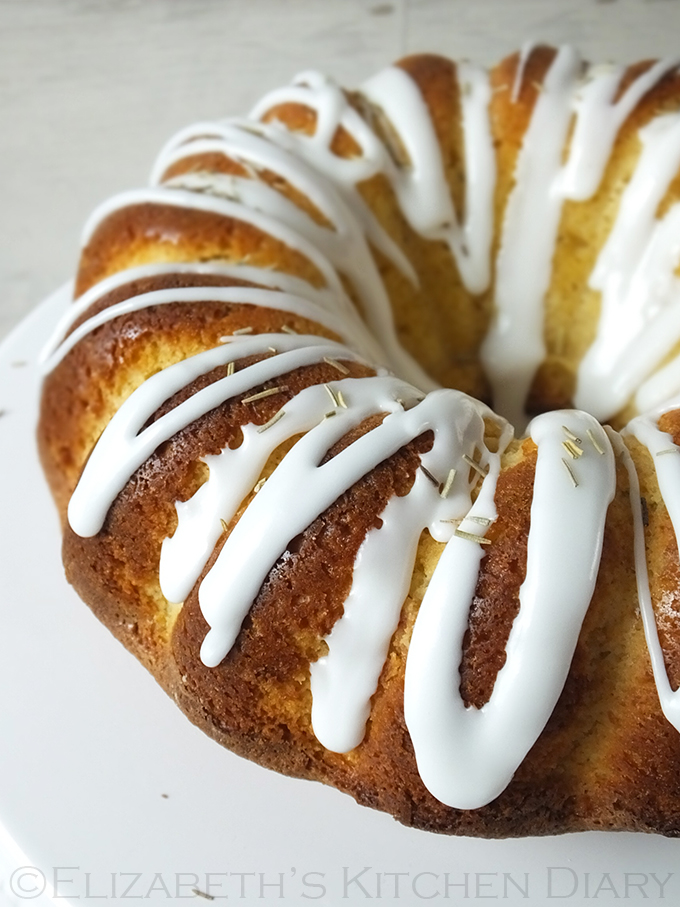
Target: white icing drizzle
280,230
353,332
343,681
123,446
663,385
467,756
635,273
275,280
261,535
515,347
321,94
233,474
597,114
422,189
272,149
344,248
667,465
527,49
180,198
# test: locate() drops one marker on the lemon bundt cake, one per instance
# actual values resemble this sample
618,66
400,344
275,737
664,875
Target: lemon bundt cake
267,424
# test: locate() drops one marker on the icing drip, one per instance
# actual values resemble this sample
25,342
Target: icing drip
123,446
343,681
527,49
272,299
225,207
635,272
344,246
597,114
233,474
273,149
467,756
421,188
261,535
278,228
514,346
275,280
666,457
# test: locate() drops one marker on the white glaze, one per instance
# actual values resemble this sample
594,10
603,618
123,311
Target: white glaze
261,535
233,474
343,681
662,386
275,280
527,49
467,756
272,150
598,120
635,273
351,330
226,208
279,229
124,446
343,246
667,466
515,346
422,188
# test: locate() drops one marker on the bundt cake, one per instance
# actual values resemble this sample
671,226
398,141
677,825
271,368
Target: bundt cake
266,421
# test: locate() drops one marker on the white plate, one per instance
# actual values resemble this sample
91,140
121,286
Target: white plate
89,746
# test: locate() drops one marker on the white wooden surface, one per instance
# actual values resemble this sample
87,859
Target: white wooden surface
90,90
